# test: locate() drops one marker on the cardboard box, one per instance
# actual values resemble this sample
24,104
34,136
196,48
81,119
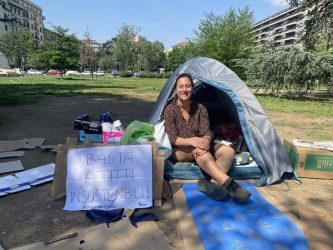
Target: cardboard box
310,162
86,137
158,172
58,188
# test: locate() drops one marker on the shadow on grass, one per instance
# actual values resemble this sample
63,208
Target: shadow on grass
16,94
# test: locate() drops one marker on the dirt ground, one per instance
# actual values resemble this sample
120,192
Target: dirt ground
32,216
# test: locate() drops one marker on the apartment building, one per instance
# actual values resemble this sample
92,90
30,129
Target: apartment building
283,28
93,44
22,14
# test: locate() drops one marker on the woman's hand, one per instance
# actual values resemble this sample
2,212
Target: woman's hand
201,143
198,152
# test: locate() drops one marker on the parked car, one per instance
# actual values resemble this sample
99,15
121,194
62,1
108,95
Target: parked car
99,73
53,72
19,71
136,74
72,72
86,73
34,72
114,73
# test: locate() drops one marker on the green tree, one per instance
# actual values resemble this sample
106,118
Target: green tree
150,55
107,63
129,51
18,47
63,52
108,47
106,56
179,55
319,26
38,60
124,47
290,70
156,56
88,58
226,37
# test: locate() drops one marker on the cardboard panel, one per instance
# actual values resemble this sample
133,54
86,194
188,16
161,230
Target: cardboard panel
309,162
120,235
31,143
158,171
10,166
11,145
11,154
188,229
27,143
58,189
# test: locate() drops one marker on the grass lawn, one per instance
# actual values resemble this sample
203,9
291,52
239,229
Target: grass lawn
284,105
293,118
28,89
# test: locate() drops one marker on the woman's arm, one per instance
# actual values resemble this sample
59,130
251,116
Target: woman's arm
196,142
204,126
172,132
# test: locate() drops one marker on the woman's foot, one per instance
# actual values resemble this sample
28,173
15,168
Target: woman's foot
236,192
212,189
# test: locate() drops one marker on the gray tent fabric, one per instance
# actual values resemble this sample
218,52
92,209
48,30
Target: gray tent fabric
220,84
3,62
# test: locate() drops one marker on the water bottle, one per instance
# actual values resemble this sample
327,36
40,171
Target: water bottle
117,126
106,117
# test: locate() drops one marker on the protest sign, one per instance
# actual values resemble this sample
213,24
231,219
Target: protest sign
108,178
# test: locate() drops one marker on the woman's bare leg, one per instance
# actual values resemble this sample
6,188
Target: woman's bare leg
224,157
207,163
182,154
218,173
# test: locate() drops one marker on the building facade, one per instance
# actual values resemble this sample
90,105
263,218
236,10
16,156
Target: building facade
93,44
22,14
283,28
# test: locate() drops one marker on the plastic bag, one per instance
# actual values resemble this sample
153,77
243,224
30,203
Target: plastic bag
161,136
137,130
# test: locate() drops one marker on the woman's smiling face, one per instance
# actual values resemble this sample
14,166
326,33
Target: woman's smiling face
184,88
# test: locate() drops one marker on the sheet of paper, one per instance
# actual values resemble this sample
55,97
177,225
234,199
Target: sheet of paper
108,178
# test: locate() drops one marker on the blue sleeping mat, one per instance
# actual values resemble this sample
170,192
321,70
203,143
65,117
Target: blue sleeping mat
255,225
191,171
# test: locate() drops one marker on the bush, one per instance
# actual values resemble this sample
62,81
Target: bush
154,75
146,75
166,75
126,73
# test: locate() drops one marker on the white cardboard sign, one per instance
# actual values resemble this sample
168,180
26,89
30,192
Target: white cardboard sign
108,178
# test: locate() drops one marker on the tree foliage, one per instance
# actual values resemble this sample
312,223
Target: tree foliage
123,49
319,26
179,55
226,37
150,55
289,70
88,58
129,51
18,47
63,51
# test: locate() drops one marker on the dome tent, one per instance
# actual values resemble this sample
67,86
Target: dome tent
226,96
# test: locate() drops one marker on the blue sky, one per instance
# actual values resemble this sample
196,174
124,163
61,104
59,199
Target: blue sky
168,21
